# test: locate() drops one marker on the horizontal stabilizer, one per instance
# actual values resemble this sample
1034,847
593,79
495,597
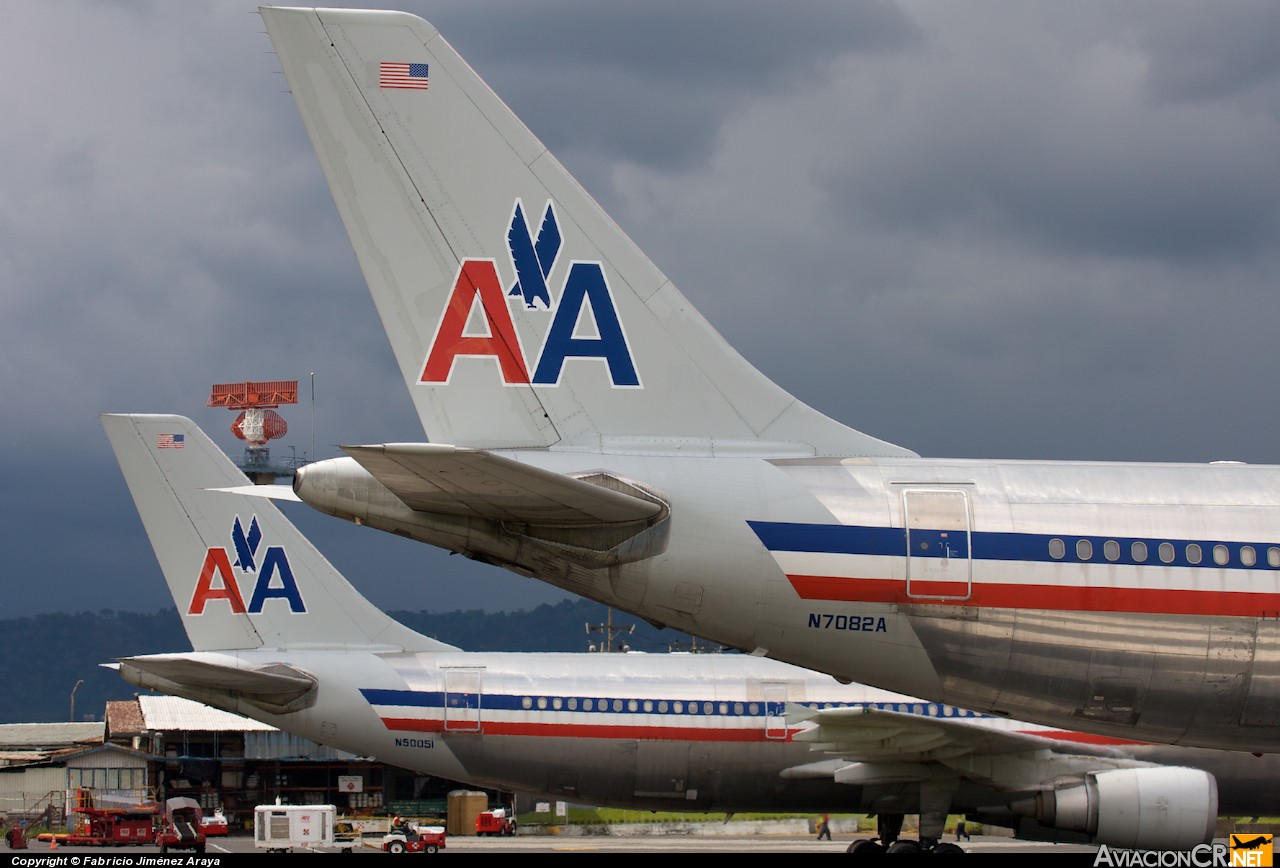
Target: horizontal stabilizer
270,492
433,477
193,671
223,681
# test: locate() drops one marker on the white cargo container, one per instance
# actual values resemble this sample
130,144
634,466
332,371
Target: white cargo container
281,828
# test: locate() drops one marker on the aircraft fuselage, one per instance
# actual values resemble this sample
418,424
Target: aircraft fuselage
623,730
1135,600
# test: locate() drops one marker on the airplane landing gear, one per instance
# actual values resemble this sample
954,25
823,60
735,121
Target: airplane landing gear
873,847
889,827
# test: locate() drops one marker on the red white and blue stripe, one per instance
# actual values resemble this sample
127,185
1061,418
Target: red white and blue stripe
646,718
846,563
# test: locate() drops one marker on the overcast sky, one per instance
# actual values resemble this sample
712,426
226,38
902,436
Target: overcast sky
988,230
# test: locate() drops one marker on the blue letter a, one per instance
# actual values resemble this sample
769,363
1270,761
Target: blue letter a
586,284
276,562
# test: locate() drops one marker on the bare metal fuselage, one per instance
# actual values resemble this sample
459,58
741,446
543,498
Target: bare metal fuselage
629,730
1133,600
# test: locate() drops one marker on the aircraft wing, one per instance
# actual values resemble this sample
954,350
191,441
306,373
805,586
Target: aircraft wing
877,745
455,480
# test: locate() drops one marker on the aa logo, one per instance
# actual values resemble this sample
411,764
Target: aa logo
477,323
1254,850
271,576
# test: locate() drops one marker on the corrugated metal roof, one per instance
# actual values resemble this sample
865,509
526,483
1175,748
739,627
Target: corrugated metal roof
175,714
46,736
11,759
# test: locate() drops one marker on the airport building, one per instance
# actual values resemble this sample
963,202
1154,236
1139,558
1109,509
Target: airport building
151,748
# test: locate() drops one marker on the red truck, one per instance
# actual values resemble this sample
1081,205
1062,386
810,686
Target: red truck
495,822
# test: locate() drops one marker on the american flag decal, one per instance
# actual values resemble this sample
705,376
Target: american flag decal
405,75
171,441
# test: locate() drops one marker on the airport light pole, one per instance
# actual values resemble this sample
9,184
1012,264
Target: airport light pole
73,699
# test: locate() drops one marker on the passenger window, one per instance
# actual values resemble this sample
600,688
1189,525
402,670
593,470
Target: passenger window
1221,555
1193,553
1057,549
1084,550
1273,557
1139,551
1111,550
542,703
526,703
1248,556
1166,552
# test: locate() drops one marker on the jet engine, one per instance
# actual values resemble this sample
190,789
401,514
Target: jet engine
1164,808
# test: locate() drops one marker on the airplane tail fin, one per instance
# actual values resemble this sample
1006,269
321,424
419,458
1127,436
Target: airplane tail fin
519,313
241,574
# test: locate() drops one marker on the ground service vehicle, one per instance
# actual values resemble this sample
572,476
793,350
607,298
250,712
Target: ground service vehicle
282,828
412,838
215,824
182,829
95,826
495,822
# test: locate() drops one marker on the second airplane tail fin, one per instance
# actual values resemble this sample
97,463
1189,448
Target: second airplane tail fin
520,314
241,574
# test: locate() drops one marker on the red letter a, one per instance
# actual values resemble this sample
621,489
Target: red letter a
476,278
216,561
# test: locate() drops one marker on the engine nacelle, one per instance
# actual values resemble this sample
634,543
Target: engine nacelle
1142,809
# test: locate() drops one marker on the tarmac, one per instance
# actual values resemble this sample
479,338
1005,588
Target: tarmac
229,848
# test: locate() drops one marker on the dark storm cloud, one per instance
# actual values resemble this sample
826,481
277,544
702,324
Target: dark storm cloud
1212,52
653,82
980,230
1058,139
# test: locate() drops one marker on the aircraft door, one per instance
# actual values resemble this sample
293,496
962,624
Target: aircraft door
462,700
939,534
775,711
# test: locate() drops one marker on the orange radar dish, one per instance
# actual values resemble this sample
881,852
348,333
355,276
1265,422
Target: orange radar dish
254,395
